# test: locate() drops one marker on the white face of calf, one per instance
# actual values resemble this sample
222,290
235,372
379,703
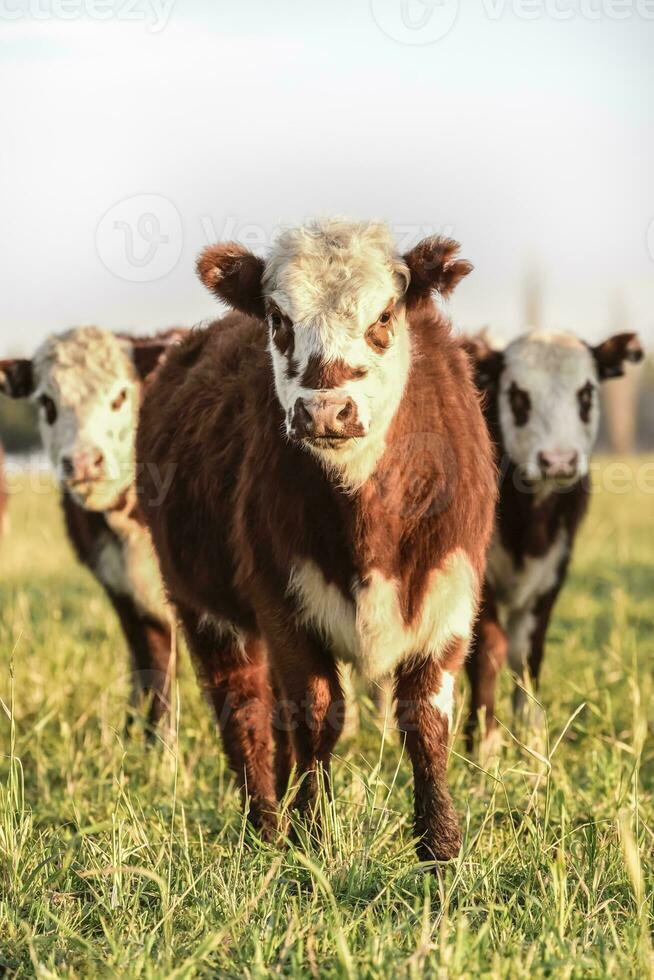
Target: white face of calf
338,335
86,386
549,405
547,391
335,296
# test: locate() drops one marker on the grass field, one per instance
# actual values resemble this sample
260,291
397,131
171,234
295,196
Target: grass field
116,860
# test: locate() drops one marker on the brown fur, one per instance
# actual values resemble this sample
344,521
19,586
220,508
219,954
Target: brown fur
247,505
323,375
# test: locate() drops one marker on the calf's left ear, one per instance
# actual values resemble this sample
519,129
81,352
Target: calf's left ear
434,266
16,378
148,352
235,275
487,361
612,354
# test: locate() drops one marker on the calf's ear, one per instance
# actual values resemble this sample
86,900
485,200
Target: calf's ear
235,275
148,352
434,266
487,362
612,354
16,378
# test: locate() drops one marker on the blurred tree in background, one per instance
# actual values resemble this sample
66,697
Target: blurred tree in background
18,429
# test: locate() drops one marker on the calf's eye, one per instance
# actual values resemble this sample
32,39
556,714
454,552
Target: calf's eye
520,403
380,334
49,408
119,400
585,400
282,333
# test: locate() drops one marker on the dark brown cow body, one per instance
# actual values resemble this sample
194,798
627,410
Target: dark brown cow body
269,557
542,410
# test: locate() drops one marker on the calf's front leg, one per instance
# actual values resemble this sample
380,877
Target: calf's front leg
234,672
424,693
149,642
487,657
313,707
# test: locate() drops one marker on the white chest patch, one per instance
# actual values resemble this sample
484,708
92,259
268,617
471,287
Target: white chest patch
368,629
519,587
128,566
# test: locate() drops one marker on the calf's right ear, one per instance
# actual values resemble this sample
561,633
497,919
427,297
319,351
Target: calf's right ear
486,360
16,378
234,275
611,355
435,266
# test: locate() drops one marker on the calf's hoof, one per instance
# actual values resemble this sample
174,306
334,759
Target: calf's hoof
439,836
443,846
263,817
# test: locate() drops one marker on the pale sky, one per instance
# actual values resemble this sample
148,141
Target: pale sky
525,133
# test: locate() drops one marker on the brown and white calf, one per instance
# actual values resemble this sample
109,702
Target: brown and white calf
542,408
88,384
333,498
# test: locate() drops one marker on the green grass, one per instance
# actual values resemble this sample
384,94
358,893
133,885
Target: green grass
116,860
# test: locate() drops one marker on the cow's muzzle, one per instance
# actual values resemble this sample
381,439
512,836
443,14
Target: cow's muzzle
83,467
326,420
558,464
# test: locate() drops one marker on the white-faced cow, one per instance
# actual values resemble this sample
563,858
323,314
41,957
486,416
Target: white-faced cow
542,408
88,386
333,497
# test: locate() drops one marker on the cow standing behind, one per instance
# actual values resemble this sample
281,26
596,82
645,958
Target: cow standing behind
542,408
88,385
333,498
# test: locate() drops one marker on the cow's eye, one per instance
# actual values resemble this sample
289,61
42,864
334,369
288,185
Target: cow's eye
585,399
49,409
282,333
520,403
380,334
119,400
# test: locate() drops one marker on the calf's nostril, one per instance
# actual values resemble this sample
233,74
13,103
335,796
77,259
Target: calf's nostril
346,412
67,467
302,419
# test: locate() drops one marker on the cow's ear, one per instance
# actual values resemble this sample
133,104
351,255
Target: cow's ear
148,352
16,378
612,354
434,266
235,275
486,360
